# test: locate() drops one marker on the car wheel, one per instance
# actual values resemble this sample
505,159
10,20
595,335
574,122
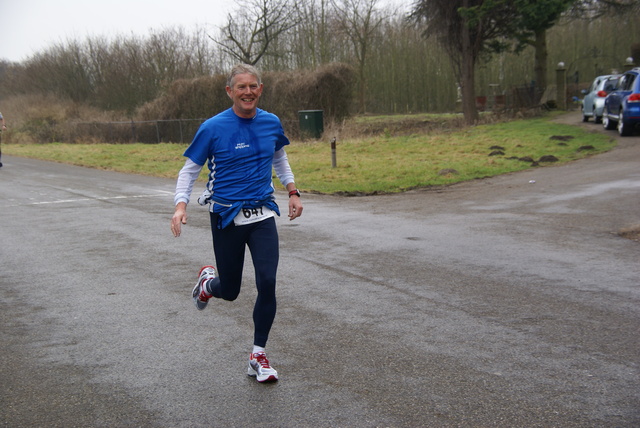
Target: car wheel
622,129
607,123
597,119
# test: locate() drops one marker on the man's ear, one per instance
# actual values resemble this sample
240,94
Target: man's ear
228,89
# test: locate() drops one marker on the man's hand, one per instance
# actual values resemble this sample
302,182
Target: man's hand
179,218
295,207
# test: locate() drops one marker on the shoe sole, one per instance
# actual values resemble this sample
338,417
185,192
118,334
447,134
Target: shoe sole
252,373
196,292
199,303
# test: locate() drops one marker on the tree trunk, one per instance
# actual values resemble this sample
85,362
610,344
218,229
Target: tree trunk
362,84
467,76
361,92
468,92
540,66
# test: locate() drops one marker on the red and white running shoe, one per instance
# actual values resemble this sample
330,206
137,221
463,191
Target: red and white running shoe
260,369
199,293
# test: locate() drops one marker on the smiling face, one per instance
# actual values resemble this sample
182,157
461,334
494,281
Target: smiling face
245,92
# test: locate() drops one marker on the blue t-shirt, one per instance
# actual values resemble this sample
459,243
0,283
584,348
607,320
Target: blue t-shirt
239,153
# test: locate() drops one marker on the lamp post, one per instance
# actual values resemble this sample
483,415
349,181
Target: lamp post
561,84
629,64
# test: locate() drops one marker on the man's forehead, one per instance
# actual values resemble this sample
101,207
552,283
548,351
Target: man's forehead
245,78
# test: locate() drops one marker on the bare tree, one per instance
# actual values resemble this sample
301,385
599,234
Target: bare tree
256,25
359,20
311,41
60,70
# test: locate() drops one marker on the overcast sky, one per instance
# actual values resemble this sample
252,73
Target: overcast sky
30,26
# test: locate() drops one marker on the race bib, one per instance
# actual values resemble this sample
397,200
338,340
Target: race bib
252,215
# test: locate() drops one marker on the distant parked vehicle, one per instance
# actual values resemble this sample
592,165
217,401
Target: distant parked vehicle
622,106
593,102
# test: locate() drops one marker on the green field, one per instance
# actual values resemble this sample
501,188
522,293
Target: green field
367,165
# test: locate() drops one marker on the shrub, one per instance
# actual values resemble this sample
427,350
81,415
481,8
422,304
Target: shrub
201,97
329,88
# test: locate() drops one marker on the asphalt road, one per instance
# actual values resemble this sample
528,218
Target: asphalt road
503,302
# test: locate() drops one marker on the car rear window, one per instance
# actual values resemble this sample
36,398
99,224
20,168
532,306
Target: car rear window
611,84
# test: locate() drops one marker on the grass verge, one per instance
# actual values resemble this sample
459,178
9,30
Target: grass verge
368,165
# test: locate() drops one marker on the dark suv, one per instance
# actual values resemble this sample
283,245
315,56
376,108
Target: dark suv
622,106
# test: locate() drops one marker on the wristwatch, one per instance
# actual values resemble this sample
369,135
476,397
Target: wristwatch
295,192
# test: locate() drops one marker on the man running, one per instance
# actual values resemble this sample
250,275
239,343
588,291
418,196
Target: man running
241,146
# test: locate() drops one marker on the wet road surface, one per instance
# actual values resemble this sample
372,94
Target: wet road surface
509,301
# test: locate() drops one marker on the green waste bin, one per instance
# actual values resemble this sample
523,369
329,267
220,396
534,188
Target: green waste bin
311,123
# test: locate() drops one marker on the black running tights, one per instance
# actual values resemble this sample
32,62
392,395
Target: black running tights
229,249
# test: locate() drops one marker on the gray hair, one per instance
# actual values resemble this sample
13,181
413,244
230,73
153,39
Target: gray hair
243,69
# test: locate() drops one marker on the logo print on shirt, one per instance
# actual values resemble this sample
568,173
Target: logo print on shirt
240,146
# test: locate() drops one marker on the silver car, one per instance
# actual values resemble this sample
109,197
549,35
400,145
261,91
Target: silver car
593,102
